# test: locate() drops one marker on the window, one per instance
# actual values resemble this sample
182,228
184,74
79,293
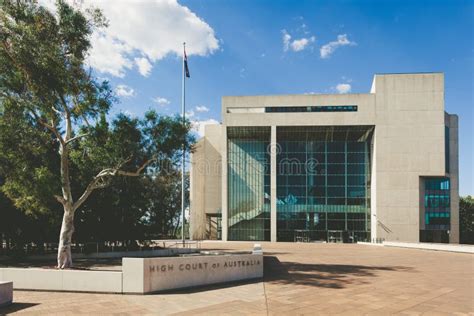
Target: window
248,183
299,109
329,190
437,203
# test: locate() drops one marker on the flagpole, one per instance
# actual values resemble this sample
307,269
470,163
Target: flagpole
183,166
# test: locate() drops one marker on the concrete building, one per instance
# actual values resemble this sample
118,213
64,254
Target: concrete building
338,167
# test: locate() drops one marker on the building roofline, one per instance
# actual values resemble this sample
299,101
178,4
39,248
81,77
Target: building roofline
293,95
409,73
334,94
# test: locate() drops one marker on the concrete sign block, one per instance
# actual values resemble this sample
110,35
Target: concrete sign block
6,293
147,275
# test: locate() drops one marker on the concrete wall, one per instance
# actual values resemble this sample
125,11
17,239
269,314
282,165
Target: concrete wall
197,215
205,175
63,280
410,143
6,293
141,275
452,123
148,275
365,114
408,113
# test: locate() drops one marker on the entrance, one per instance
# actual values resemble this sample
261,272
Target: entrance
214,226
344,236
436,236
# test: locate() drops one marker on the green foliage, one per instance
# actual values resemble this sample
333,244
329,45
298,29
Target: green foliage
163,208
466,219
44,88
28,161
48,96
42,58
131,207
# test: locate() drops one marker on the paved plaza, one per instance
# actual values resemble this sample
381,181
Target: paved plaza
300,279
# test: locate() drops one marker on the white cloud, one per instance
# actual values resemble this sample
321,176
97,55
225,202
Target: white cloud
190,114
199,126
202,108
146,31
144,66
161,101
297,44
124,91
111,58
343,88
329,48
286,40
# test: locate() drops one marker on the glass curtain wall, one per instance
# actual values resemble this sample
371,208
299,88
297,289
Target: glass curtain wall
248,173
437,204
323,183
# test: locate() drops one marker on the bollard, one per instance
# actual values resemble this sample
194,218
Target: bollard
257,249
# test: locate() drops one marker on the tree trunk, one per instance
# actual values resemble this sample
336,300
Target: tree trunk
65,237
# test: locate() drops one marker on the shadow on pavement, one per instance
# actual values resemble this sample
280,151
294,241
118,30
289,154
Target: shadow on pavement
15,307
335,276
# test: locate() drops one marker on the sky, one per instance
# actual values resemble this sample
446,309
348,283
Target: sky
243,47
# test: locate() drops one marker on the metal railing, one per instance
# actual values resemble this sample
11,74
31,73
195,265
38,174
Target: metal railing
96,247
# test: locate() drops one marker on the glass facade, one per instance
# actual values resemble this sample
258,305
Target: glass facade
323,182
248,176
437,204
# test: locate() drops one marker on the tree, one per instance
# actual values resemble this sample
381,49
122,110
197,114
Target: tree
466,219
49,98
125,206
163,206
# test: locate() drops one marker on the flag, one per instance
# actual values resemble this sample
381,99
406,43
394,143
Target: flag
186,69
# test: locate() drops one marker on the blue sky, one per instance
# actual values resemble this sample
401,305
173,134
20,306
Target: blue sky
236,47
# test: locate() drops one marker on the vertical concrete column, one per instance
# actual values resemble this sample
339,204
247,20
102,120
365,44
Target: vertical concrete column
274,148
373,190
224,184
454,177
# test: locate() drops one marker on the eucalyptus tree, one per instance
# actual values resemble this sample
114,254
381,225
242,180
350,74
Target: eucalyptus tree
49,98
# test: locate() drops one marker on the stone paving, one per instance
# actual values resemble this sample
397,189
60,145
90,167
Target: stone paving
300,279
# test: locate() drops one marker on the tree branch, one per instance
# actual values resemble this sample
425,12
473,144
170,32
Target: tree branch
60,199
56,110
77,137
85,120
67,115
51,128
139,170
100,180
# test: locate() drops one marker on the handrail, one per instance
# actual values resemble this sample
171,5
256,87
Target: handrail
98,247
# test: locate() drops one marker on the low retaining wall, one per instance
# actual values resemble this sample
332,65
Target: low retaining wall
148,275
6,293
63,280
142,275
369,243
431,246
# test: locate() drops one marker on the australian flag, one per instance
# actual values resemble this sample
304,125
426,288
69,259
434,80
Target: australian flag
186,69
